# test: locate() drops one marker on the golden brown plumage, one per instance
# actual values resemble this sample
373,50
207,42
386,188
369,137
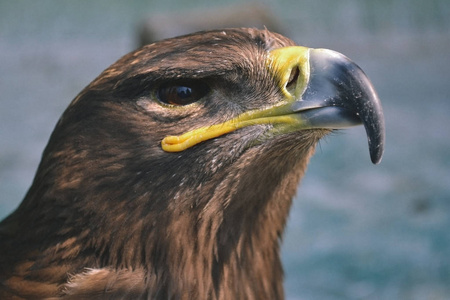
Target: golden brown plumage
111,214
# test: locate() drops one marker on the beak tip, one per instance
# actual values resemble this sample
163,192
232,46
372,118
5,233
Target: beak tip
376,157
376,145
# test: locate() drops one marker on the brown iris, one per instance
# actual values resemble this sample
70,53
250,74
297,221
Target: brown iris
181,93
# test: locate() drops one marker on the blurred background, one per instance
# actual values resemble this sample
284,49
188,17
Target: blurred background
356,231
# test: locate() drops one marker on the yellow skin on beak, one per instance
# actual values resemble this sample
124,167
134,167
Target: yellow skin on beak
291,66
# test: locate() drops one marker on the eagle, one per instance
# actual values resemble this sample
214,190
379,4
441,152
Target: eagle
171,175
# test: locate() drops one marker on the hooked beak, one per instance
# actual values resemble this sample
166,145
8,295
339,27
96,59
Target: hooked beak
339,95
323,89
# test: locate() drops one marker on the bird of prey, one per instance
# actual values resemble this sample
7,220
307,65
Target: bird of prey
171,175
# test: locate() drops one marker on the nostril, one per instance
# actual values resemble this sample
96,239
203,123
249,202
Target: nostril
293,77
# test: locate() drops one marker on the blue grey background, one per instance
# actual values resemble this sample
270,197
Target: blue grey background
356,231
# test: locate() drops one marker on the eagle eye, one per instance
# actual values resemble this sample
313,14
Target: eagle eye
181,93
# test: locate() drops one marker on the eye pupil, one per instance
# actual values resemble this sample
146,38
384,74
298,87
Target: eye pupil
182,93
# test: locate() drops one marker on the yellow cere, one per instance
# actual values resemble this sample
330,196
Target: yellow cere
281,63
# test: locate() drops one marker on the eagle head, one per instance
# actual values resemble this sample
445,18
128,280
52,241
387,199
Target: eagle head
171,175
